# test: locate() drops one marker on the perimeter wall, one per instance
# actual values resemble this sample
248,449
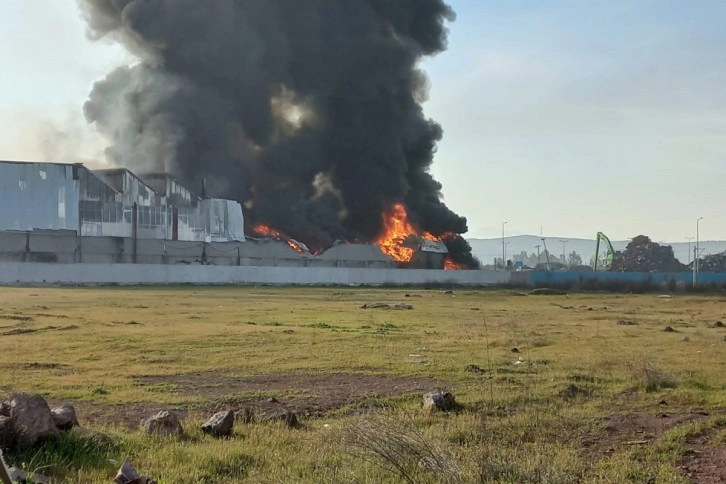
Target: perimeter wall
38,273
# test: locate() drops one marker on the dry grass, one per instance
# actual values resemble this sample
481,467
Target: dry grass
91,346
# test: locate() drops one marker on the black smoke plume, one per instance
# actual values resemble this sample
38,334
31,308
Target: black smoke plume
306,111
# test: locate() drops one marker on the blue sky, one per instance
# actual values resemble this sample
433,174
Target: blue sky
573,116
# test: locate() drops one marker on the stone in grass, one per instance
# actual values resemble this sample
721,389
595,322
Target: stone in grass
32,423
164,423
375,305
19,475
288,417
220,424
65,417
438,400
128,474
669,329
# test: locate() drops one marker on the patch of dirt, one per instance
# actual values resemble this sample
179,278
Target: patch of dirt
306,395
705,462
634,429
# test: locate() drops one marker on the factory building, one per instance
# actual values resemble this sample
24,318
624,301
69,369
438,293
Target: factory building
62,213
111,203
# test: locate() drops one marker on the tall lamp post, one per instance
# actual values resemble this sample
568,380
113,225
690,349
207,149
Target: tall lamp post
564,254
504,248
696,254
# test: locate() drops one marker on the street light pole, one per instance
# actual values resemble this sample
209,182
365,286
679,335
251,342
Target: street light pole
697,254
564,252
504,248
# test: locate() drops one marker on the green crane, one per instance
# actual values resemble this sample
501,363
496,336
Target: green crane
608,254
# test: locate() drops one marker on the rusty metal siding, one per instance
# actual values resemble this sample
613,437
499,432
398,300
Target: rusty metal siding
38,196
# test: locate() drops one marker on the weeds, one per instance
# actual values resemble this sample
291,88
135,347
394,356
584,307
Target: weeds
652,378
400,448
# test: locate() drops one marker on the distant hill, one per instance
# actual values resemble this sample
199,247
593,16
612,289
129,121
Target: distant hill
487,249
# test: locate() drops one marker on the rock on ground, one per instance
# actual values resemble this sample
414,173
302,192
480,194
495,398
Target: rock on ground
32,420
128,474
4,409
164,423
284,415
19,475
438,401
220,424
375,305
65,417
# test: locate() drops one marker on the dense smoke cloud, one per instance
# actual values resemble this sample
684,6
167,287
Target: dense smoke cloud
309,112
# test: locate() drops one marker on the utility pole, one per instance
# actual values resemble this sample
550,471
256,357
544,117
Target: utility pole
564,252
689,239
538,246
547,254
504,247
696,254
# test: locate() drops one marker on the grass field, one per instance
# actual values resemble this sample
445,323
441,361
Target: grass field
577,388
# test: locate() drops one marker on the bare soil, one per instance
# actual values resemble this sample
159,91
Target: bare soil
705,463
306,395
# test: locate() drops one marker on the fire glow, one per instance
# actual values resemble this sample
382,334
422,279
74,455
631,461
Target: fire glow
263,230
397,228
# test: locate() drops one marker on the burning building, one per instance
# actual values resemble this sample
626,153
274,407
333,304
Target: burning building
307,113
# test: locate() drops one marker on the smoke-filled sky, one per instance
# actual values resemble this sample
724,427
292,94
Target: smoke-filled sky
575,116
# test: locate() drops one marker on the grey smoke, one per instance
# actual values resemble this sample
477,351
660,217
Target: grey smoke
307,111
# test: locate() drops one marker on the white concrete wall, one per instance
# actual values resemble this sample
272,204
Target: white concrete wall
139,274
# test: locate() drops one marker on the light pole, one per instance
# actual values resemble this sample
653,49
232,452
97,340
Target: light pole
696,254
504,248
564,243
689,239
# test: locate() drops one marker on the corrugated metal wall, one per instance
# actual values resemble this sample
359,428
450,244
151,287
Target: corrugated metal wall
38,196
70,197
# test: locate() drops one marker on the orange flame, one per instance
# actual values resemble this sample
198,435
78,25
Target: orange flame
264,230
397,228
267,231
450,265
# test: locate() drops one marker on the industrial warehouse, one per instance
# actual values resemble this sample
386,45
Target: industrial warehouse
67,213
